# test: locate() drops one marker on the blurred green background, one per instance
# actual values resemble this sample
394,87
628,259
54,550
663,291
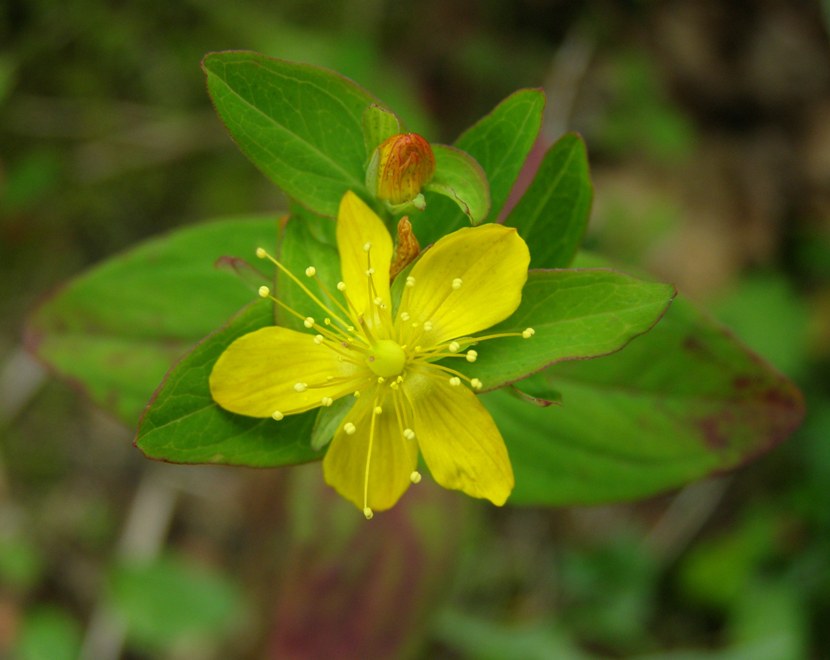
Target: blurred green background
708,128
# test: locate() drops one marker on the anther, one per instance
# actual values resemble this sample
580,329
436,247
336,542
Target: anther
405,316
527,333
349,428
277,415
309,322
368,513
261,253
455,381
370,272
409,434
300,387
378,410
318,339
454,347
472,355
264,292
410,281
327,401
367,246
311,271
341,286
378,301
357,394
381,380
456,283
476,383
415,477
427,326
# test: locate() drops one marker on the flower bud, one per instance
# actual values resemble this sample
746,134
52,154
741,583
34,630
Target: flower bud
399,167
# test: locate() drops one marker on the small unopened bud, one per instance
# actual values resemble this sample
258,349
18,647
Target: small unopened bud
400,166
406,247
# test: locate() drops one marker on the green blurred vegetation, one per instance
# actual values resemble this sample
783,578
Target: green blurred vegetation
710,169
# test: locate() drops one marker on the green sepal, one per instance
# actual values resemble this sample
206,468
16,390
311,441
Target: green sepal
379,124
460,178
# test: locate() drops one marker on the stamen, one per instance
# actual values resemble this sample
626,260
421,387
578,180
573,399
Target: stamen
311,271
300,387
428,326
454,347
472,355
309,322
456,283
415,477
349,428
378,301
409,434
476,383
455,381
277,416
261,253
367,246
341,286
368,513
264,292
527,333
378,410
318,339
327,401
357,394
370,272
410,281
405,316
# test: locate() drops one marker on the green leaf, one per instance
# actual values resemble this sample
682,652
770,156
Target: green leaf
576,314
300,124
48,632
553,213
117,328
680,402
182,424
460,178
501,141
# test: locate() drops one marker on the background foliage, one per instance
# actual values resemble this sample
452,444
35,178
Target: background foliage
706,124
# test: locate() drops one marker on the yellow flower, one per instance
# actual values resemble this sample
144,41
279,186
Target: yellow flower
388,359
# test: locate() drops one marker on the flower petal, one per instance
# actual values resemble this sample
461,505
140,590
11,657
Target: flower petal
358,227
469,280
257,373
459,440
393,457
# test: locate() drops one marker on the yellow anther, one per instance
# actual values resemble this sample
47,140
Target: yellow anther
367,246
415,477
261,253
311,271
327,321
410,281
394,385
308,322
378,301
405,316
454,347
356,394
349,428
456,283
455,381
277,415
368,513
327,401
300,387
370,272
378,410
428,326
527,333
476,383
381,380
264,291
409,434
399,379
341,286
418,349
318,339
472,355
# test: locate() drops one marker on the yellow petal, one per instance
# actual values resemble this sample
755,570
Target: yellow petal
364,243
459,440
393,457
468,281
258,374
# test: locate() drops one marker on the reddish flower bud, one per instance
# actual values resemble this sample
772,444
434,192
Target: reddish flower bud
400,166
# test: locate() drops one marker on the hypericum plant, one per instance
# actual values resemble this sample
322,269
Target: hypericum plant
364,350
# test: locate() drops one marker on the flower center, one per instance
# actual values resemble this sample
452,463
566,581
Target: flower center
387,358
